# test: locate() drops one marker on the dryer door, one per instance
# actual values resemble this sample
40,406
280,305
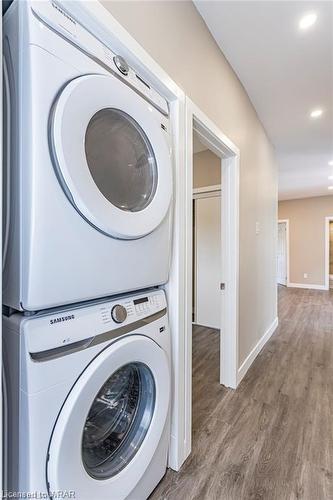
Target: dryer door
112,421
111,156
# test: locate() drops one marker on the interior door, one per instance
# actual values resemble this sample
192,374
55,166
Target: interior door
111,421
111,156
208,261
282,254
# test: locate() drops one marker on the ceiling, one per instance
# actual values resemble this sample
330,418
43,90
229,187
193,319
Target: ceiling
287,73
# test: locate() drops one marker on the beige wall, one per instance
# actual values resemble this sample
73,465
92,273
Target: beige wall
307,237
177,38
206,169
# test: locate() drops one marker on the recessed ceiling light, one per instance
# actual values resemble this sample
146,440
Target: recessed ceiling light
330,163
330,177
307,20
330,187
316,113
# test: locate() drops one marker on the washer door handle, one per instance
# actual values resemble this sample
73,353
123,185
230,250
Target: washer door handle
62,350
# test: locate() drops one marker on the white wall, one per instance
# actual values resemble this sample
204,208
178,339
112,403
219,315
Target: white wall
177,38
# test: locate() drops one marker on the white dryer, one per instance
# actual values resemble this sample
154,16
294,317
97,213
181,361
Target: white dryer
89,165
89,395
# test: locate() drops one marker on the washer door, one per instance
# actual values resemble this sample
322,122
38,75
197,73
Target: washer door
111,156
112,421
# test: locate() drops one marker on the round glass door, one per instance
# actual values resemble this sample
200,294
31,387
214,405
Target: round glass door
118,420
121,160
111,156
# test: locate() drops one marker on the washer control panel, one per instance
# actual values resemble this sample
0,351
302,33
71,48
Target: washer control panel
61,328
147,305
130,309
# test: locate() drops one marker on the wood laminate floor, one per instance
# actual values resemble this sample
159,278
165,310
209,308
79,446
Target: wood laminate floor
272,438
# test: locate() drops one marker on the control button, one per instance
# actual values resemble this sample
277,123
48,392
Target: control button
118,313
121,64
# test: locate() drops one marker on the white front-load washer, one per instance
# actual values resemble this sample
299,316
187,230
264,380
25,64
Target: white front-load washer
88,399
89,170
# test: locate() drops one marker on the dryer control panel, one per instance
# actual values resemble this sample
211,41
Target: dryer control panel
58,18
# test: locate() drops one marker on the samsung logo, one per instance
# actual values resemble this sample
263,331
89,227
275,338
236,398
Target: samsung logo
61,319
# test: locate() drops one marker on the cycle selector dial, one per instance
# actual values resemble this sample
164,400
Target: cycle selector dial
118,313
121,64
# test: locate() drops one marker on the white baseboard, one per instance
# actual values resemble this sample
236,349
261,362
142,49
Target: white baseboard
308,286
255,351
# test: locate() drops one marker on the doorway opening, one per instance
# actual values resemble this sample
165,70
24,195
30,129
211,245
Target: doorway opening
211,264
206,280
283,253
206,303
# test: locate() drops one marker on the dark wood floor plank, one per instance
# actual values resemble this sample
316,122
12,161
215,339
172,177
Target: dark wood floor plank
272,438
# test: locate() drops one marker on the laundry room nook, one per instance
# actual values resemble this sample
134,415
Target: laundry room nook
167,242
87,344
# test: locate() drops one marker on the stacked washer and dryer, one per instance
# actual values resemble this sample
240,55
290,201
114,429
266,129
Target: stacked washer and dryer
88,190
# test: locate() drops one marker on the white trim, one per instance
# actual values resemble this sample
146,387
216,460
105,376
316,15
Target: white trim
175,293
207,192
99,20
327,251
307,286
255,351
194,254
287,247
216,141
3,432
207,189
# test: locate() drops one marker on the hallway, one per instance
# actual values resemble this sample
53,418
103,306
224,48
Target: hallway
271,439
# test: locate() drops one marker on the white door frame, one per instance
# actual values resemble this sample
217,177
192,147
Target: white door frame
327,251
216,141
286,221
2,408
